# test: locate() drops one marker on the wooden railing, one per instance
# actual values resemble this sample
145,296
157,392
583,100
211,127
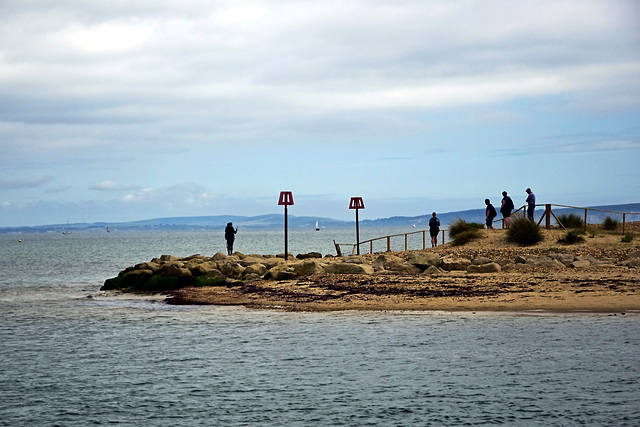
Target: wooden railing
548,213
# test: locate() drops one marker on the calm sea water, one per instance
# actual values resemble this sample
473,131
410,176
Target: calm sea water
71,357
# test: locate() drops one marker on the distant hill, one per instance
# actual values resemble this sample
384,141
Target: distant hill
275,221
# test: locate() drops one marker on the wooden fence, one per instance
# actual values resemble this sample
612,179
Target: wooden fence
548,213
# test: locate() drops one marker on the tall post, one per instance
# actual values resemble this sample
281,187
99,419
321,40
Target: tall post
286,199
547,212
286,234
357,203
624,220
357,233
585,219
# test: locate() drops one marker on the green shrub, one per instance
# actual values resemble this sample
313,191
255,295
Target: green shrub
627,238
610,224
524,232
572,237
571,220
462,232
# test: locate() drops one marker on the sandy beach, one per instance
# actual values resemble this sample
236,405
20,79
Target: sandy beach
606,284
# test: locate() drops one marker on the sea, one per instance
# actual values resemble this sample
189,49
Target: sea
70,355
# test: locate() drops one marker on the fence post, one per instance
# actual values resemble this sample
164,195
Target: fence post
585,219
624,217
443,237
424,240
388,243
547,212
406,237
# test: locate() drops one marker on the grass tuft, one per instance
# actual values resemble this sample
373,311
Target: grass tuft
571,220
610,224
524,232
572,237
462,232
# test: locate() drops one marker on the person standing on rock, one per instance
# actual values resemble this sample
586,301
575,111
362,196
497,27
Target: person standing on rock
491,213
531,203
230,236
506,207
434,229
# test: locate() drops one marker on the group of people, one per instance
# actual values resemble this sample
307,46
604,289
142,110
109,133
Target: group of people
506,207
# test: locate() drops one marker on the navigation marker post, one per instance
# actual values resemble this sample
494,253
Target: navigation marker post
357,203
286,199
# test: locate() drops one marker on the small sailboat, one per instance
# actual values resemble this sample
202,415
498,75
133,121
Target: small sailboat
317,226
66,230
108,230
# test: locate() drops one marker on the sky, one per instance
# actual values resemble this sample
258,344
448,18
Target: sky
118,110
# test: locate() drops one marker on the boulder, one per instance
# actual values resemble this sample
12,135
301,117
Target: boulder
424,259
251,260
480,261
632,262
348,268
566,259
281,272
309,255
387,262
490,267
580,264
168,258
272,262
453,263
432,269
308,267
204,268
354,259
255,268
634,254
232,269
219,257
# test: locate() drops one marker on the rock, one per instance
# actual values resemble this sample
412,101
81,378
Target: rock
281,272
252,277
354,259
387,262
308,267
174,269
424,259
219,257
519,260
348,268
490,267
282,256
255,268
272,262
204,268
634,254
580,264
480,261
251,260
167,258
432,269
509,267
233,270
566,259
452,263
309,255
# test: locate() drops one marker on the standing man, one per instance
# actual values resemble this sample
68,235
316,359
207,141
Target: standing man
506,207
491,213
531,203
230,236
434,229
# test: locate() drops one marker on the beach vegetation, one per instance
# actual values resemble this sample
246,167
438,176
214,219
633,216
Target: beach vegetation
571,220
572,237
628,237
524,232
610,224
462,232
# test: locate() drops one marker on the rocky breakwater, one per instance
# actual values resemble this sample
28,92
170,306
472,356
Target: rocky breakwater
170,273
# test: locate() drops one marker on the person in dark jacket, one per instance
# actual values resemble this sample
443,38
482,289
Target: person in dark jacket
230,236
531,203
506,207
434,229
491,213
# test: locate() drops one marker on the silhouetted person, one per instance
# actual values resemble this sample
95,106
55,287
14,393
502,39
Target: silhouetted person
491,213
506,207
230,236
531,203
434,229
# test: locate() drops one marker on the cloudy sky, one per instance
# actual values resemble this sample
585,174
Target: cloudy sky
122,110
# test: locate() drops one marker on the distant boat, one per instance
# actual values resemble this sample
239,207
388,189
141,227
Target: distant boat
66,230
108,230
317,226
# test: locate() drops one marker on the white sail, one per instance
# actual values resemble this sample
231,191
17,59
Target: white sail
317,226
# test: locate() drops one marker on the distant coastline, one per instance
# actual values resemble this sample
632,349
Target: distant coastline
274,221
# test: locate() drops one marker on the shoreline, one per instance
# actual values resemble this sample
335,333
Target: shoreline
601,275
